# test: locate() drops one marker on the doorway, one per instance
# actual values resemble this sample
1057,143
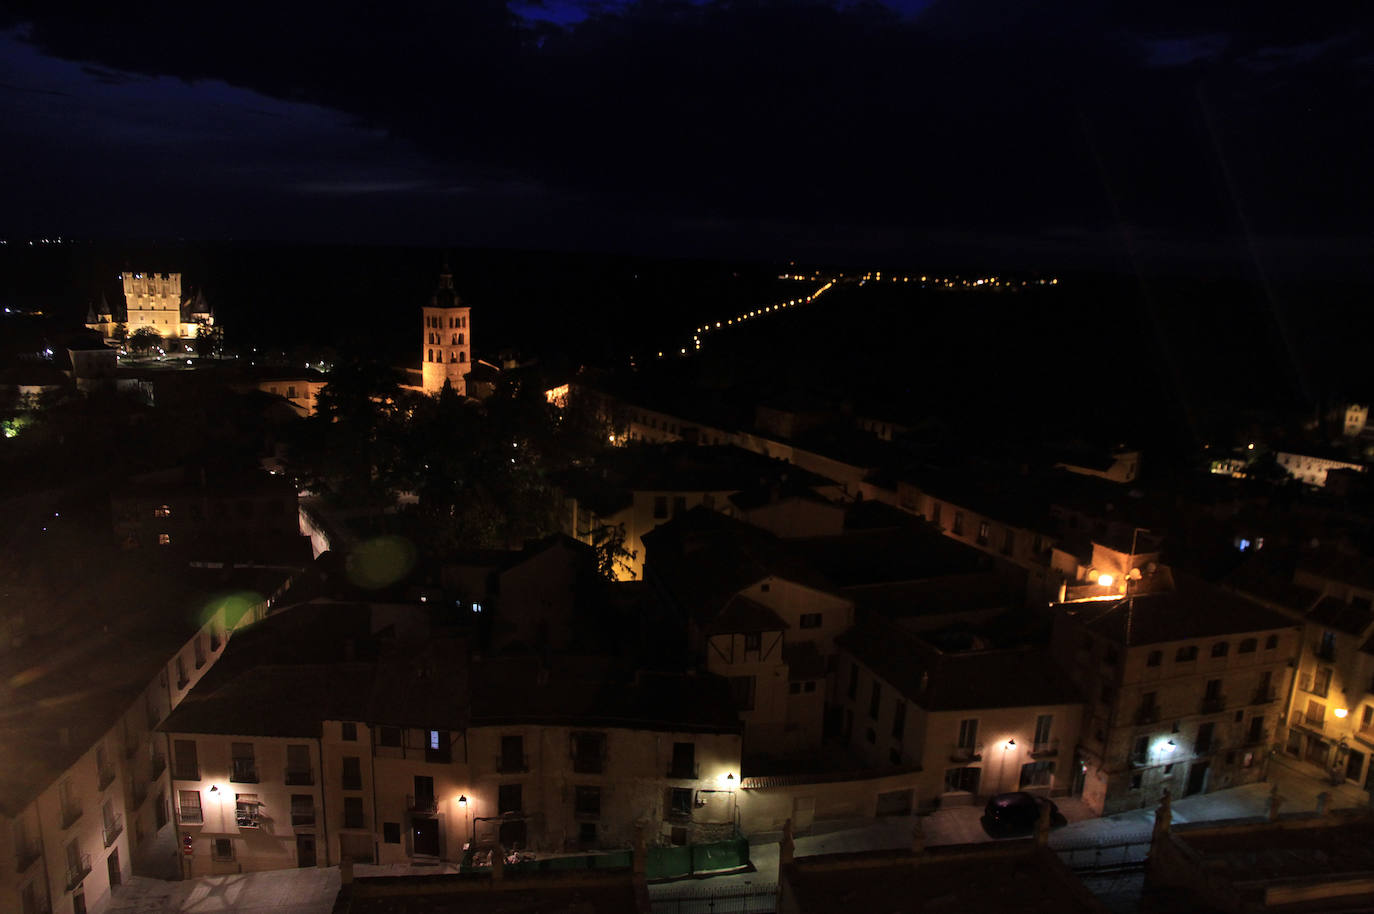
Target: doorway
1354,766
1197,779
112,864
305,850
425,832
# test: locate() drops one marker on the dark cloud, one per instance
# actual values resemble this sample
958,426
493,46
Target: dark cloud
905,121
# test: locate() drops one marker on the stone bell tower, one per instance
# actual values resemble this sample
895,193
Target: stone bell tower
447,352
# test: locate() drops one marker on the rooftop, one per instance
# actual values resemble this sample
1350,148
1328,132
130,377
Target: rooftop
1193,609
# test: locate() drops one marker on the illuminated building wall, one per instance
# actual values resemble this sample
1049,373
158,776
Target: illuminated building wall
1312,470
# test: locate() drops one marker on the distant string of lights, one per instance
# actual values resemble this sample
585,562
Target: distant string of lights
875,276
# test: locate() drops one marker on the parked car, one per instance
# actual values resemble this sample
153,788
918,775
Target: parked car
1010,815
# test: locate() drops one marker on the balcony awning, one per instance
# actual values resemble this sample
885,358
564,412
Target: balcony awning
248,798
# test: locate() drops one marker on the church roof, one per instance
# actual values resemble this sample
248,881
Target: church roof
445,296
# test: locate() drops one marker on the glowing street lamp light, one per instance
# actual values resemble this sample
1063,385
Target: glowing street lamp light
1341,712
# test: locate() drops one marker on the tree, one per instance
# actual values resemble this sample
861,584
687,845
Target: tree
121,335
144,340
209,339
612,558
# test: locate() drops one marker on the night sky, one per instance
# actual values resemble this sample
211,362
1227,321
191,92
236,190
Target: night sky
1168,135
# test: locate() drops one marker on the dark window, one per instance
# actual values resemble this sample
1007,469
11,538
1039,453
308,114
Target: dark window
899,720
184,758
350,731
509,798
223,849
389,736
684,761
794,688
742,689
190,805
512,753
1248,646
353,813
984,528
679,505
935,513
302,809
1186,654
1213,689
589,752
809,686
1136,780
1220,649
962,779
853,679
894,757
1112,656
660,507
1204,737
1009,543
391,832
1154,658
1271,642
876,700
587,801
352,772
958,523
437,746
753,641
680,801
810,620
968,733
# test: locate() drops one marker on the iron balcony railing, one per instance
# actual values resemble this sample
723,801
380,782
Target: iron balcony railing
192,815
302,816
684,771
422,802
113,826
78,871
1044,748
1264,697
1147,714
244,771
71,811
507,763
1213,705
963,753
300,777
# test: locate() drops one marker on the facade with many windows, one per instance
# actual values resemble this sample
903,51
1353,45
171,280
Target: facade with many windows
1184,688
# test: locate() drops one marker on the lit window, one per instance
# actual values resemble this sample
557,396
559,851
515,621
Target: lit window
164,539
162,511
434,739
477,607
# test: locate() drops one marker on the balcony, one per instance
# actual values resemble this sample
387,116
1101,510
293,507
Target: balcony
113,826
589,764
1255,739
682,771
1313,686
302,817
1147,714
298,777
192,815
1045,748
512,763
77,871
244,771
1213,705
1263,697
1301,719
422,803
71,811
959,753
1139,759
158,764
24,857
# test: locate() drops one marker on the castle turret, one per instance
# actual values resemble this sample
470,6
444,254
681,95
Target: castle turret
447,351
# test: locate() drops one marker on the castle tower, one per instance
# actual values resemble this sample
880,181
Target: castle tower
447,352
153,300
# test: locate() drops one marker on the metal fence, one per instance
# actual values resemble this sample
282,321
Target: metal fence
738,899
1103,856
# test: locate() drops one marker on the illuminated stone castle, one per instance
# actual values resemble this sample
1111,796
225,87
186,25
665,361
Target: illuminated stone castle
447,352
152,300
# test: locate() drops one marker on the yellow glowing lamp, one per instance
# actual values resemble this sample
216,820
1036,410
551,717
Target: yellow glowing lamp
1105,580
1341,712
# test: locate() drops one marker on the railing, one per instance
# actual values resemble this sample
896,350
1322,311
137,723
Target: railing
300,777
244,771
589,764
1303,719
1206,747
1263,697
24,858
1324,651
737,899
1213,705
71,811
684,772
158,764
79,871
1307,683
512,763
1127,854
1045,748
422,803
359,822
1139,759
966,753
1147,714
113,827
1255,739
107,776
192,815
302,816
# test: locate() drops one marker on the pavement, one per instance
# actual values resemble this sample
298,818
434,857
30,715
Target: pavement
312,891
